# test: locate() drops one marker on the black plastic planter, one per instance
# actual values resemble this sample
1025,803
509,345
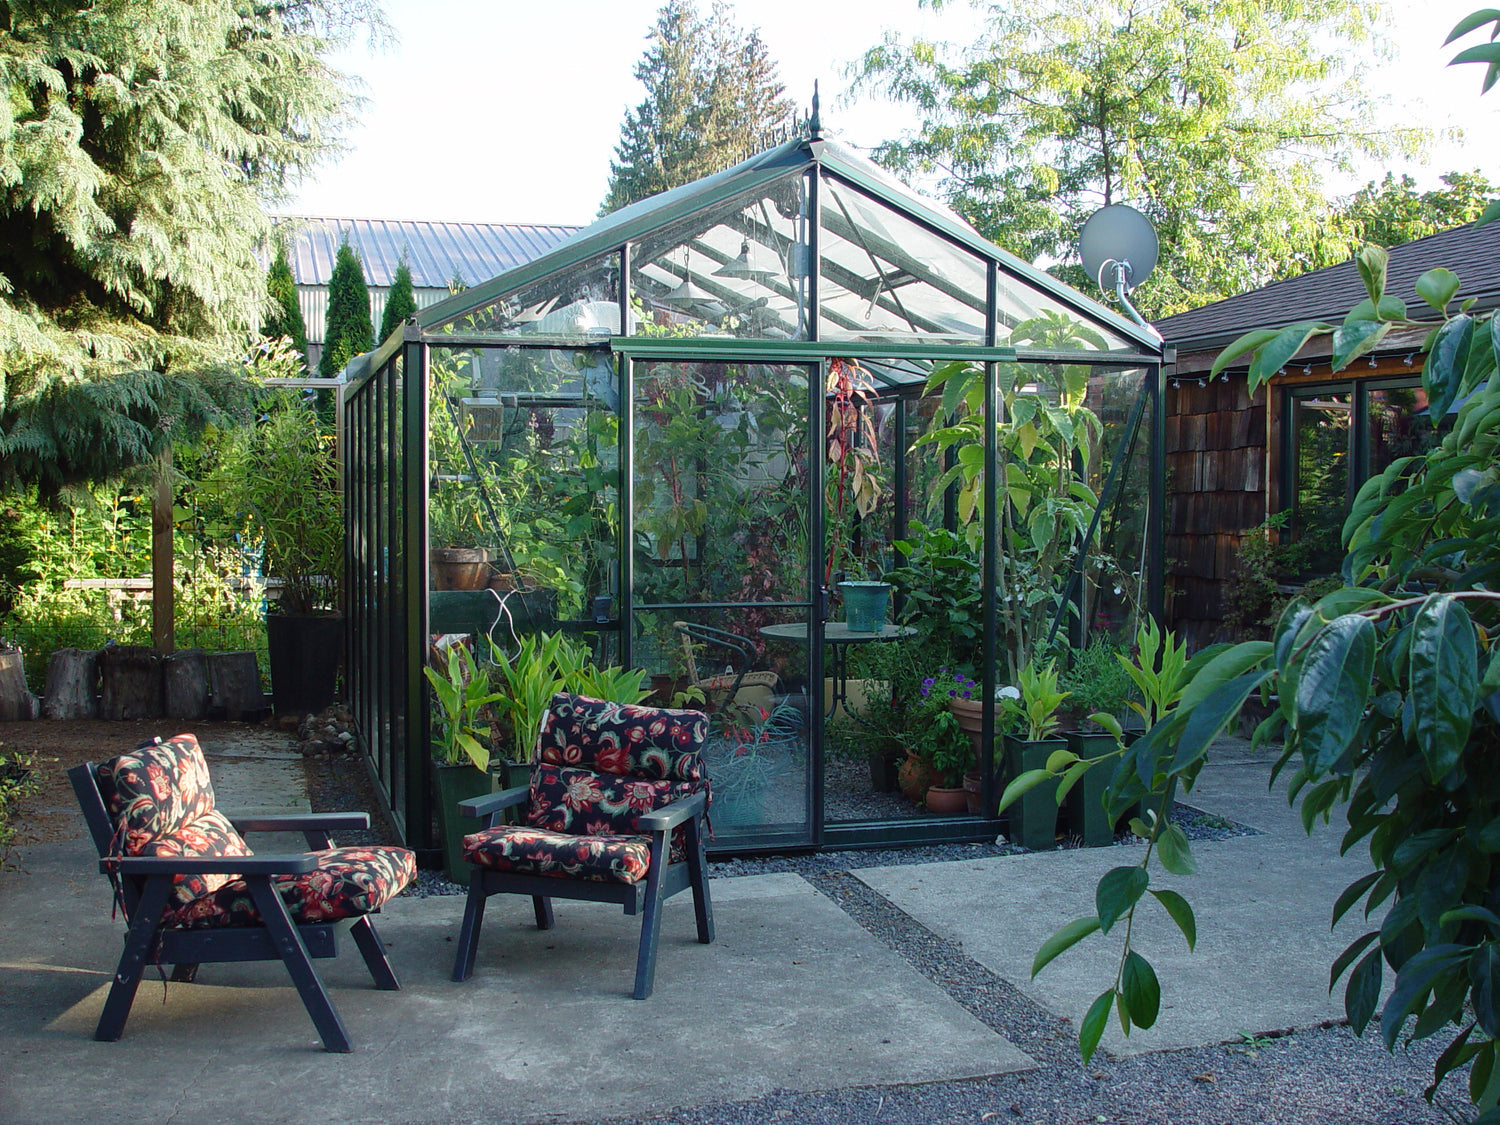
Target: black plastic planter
304,655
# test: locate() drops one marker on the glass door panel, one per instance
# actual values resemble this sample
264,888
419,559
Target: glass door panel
1320,483
721,594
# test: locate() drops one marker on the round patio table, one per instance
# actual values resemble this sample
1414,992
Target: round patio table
837,636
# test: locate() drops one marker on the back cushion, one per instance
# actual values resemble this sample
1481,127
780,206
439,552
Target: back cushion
582,802
162,803
652,743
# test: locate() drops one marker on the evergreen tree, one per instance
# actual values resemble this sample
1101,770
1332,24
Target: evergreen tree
1214,117
347,331
138,142
713,98
286,313
399,302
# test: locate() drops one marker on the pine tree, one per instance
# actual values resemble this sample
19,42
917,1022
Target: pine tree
347,331
138,142
286,314
399,302
712,99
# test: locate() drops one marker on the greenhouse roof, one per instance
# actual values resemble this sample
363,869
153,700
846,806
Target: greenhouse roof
728,257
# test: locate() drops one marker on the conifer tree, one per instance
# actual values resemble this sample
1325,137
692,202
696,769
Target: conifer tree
347,331
285,318
713,98
138,144
399,302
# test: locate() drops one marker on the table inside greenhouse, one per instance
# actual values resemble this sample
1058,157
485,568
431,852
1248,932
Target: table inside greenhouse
838,637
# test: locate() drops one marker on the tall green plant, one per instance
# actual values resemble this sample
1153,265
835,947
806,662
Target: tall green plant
462,693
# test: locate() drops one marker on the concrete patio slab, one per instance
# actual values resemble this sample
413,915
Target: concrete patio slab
792,995
1263,905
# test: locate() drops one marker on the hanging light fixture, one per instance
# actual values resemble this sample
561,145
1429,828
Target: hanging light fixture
746,267
687,293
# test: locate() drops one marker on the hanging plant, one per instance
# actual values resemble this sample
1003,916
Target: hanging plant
853,454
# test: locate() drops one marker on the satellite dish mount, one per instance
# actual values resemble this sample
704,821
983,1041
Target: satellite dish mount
1119,250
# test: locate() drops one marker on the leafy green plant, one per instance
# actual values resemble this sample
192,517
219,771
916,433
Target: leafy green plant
527,682
853,456
1040,699
17,782
581,676
1097,681
938,587
462,693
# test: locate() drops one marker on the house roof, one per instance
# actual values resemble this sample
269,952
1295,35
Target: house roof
435,252
1329,293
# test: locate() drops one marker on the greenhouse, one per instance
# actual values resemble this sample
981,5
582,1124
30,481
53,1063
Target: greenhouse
686,440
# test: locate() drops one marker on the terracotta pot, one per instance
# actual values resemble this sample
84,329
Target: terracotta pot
974,791
459,568
915,777
944,801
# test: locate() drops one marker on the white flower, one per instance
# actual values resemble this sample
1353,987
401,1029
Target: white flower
1007,692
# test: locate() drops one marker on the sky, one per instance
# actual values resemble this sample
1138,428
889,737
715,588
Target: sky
509,112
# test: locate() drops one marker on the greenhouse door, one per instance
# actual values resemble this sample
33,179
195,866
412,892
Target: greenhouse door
719,582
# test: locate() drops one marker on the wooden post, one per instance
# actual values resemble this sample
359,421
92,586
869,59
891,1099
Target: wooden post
130,685
16,702
185,680
163,633
72,684
234,684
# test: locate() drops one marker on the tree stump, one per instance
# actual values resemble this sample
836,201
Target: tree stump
185,680
16,701
129,682
72,684
234,683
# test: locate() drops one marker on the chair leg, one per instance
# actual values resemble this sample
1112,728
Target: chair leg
372,949
703,908
186,973
542,906
143,930
468,933
645,962
298,964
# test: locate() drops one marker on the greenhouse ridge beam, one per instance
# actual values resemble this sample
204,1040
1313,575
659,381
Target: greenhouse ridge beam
797,351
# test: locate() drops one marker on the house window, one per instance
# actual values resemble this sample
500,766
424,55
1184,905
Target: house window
1335,436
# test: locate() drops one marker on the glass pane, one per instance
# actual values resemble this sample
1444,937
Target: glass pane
728,271
883,277
1032,318
1320,485
1116,591
722,556
1401,425
582,302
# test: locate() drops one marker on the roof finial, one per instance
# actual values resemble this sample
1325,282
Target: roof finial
815,122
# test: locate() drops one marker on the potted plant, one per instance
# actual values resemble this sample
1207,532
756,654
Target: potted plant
526,681
939,753
1099,686
461,693
282,473
853,491
1033,817
745,751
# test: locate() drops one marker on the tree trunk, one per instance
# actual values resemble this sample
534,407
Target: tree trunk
16,702
234,682
129,682
185,678
72,684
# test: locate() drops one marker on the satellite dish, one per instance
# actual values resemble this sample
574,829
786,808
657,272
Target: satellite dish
1118,247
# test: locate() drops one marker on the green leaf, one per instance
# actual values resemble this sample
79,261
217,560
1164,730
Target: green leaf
1351,894
1275,354
1444,669
1173,850
1142,993
1484,975
1248,342
1182,913
1442,374
1092,1027
1023,784
1416,977
1118,891
1437,287
1362,992
1333,687
1208,719
1350,341
1065,938
1371,262
1347,958
1226,665
1470,914
1471,21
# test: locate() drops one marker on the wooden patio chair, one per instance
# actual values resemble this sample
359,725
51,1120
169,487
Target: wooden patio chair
614,813
192,892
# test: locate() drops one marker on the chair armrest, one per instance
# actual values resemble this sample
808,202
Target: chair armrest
674,814
299,864
303,822
494,802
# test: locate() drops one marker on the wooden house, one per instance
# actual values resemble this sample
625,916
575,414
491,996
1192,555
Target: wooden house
1303,444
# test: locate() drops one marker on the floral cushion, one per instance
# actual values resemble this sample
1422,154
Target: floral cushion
348,882
562,855
160,797
656,743
584,803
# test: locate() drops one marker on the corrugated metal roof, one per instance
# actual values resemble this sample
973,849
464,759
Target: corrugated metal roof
435,252
1329,293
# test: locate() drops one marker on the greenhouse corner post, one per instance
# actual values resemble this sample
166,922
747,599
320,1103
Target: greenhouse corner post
414,551
1157,529
989,798
625,459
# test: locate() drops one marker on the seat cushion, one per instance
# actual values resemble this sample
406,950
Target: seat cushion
348,882
655,743
561,855
583,803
